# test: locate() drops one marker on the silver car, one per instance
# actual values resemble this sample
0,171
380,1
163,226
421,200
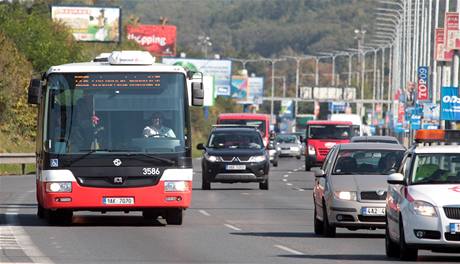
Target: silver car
290,145
350,187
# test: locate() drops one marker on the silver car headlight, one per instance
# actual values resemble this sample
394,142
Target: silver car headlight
257,158
424,208
343,195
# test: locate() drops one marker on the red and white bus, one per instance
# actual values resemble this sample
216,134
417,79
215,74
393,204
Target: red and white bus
92,154
262,121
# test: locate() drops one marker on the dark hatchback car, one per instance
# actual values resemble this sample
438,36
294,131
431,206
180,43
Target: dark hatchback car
234,154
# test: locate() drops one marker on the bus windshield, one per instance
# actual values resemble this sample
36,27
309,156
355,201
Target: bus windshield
116,112
329,132
260,124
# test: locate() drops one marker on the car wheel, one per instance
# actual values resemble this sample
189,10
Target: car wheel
59,217
391,248
263,185
174,216
298,157
205,184
329,230
307,164
318,223
405,253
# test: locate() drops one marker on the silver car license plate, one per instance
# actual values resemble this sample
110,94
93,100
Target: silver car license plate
118,200
235,167
372,211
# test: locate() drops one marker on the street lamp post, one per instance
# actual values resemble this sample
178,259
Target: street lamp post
298,59
360,34
272,61
205,42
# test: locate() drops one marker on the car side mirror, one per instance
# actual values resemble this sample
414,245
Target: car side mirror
318,172
197,94
34,92
396,178
200,146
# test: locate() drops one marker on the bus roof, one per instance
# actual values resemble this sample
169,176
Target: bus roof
102,66
244,116
328,122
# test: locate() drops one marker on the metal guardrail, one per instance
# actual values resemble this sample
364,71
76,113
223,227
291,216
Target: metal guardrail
17,158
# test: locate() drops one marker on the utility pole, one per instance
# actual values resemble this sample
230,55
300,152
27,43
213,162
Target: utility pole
272,61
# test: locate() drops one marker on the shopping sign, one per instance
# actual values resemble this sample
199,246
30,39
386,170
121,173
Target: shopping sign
452,31
450,104
158,39
415,122
422,87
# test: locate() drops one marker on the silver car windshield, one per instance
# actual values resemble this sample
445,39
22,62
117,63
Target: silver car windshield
372,162
116,112
436,169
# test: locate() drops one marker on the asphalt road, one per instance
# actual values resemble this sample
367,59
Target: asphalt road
232,223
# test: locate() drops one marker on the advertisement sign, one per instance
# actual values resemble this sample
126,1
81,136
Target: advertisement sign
255,90
208,88
239,88
430,111
220,69
451,28
415,122
422,86
90,23
158,39
450,104
287,107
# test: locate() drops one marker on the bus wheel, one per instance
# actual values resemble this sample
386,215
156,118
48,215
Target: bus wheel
41,212
174,216
60,217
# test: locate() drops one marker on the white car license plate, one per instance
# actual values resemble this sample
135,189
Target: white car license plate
118,200
454,228
373,211
235,167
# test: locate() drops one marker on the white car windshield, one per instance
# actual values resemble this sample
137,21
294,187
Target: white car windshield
436,169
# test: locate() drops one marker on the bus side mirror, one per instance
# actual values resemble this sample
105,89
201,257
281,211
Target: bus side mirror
197,94
35,88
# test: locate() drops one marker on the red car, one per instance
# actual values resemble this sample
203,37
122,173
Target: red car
321,136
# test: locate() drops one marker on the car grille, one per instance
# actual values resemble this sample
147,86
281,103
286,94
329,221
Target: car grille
236,159
373,196
452,237
323,151
452,212
364,218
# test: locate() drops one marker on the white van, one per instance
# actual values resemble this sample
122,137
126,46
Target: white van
358,128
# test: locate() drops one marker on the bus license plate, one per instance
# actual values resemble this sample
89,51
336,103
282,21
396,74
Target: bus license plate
236,167
454,228
373,211
118,200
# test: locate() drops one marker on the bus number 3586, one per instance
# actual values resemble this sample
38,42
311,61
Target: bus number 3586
150,171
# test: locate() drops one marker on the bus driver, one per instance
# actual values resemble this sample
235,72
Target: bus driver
156,129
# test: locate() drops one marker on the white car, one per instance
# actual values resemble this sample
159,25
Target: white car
423,202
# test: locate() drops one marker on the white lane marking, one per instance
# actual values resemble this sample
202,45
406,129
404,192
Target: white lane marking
289,172
245,193
296,169
204,212
285,176
284,180
289,184
290,250
232,227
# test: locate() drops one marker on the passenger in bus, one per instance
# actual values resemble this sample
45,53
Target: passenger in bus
156,128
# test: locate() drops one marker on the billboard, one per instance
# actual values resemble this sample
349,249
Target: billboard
157,39
422,86
450,104
451,30
255,90
220,69
239,89
208,88
90,23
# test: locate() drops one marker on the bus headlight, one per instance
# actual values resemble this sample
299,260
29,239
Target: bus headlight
257,158
176,186
424,208
59,187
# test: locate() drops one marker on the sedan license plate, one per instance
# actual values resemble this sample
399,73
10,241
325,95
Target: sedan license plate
118,200
454,228
235,167
373,211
